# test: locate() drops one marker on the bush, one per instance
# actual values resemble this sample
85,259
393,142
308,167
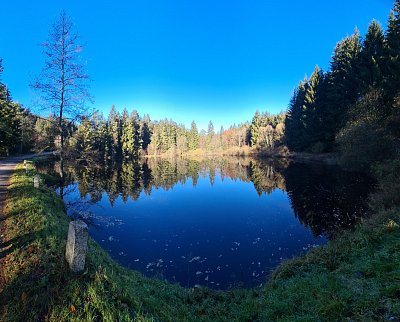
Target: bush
365,138
363,143
388,193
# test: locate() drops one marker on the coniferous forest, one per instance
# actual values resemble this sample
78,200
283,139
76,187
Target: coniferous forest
289,216
352,109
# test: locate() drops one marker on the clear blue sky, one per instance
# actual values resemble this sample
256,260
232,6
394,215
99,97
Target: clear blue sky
202,60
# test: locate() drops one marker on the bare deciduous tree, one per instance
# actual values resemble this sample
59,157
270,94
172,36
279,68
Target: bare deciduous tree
63,82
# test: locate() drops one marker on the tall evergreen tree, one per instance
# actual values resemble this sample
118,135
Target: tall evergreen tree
255,128
145,132
115,129
311,110
293,124
136,138
10,121
84,137
45,133
107,141
193,137
342,86
210,129
127,137
370,62
210,134
392,72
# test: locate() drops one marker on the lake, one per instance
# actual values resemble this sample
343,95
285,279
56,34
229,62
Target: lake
220,223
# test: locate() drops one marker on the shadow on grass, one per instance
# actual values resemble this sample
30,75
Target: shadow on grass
16,243
34,290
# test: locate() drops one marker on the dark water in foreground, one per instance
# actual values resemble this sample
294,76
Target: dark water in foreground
219,223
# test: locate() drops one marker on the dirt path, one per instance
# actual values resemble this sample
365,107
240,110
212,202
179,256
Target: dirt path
7,167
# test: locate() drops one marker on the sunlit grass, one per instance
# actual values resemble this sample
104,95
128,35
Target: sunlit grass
355,277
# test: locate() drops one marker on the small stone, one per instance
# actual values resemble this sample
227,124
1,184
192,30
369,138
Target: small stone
36,181
77,245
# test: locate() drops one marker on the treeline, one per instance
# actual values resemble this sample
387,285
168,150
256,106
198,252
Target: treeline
16,130
119,136
21,131
128,136
354,106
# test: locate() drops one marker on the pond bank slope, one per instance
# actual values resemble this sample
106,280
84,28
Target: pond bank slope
356,276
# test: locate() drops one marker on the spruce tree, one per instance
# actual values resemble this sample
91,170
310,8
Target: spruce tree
83,137
293,123
193,137
210,134
107,141
210,129
392,57
342,88
255,128
370,62
145,132
10,121
311,110
115,129
127,137
136,137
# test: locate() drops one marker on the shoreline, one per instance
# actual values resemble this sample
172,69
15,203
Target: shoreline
303,157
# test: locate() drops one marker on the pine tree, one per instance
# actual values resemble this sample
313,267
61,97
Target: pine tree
45,133
107,141
210,129
392,57
293,124
83,137
136,138
311,110
370,62
27,121
193,137
342,87
145,132
115,129
210,134
255,128
127,137
10,121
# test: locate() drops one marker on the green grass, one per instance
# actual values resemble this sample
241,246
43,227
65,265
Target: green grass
356,277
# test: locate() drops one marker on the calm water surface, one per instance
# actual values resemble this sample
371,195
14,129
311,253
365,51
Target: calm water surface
219,223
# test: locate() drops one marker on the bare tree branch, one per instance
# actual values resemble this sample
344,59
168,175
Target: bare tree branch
63,81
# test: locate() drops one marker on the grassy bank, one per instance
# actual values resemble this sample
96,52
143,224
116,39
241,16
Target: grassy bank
356,276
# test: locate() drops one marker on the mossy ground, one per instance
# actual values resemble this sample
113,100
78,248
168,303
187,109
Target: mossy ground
355,277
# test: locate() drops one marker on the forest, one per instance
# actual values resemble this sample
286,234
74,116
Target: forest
109,165
127,136
352,109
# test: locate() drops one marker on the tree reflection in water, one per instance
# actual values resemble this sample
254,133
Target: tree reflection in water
325,199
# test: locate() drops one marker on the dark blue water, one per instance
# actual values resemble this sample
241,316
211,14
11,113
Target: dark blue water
215,224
